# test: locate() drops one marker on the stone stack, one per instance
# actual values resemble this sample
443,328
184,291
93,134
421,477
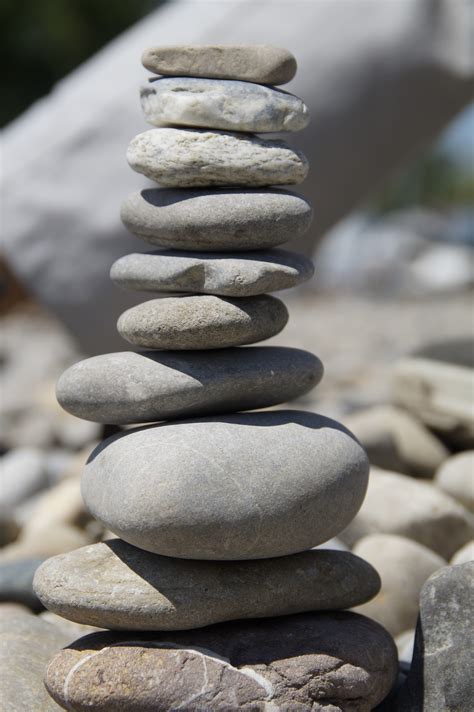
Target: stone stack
217,511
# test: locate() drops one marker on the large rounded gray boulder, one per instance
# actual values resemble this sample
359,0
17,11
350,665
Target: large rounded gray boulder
128,387
245,486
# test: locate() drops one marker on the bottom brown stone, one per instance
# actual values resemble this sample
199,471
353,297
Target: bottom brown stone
340,662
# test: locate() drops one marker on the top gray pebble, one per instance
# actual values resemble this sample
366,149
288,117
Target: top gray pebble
262,64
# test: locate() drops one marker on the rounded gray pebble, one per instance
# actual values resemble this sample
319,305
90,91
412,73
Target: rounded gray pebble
202,322
221,219
246,486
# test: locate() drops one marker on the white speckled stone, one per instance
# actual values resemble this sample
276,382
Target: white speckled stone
187,158
220,219
201,592
221,104
245,274
264,64
202,322
246,486
129,387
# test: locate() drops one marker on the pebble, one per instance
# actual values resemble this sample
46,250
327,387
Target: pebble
403,565
439,677
16,582
221,104
264,64
229,275
152,592
464,554
456,478
396,504
202,322
249,481
22,473
395,440
187,158
50,540
303,662
26,645
167,385
219,219
59,506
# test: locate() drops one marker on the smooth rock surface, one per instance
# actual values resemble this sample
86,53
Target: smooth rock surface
339,662
220,219
193,158
221,104
228,487
403,565
439,677
264,64
153,592
41,543
26,645
202,322
456,478
396,504
167,385
395,440
22,473
240,275
16,582
464,554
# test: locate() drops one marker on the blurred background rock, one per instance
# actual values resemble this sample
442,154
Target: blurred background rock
389,310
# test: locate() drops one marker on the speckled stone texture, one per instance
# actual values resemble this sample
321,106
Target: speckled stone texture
187,158
152,592
128,387
246,486
263,64
244,274
221,104
339,662
202,322
219,219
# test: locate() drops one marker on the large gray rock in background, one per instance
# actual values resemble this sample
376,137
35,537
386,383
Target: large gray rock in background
129,387
245,486
243,274
264,64
220,219
26,645
339,662
152,592
355,78
197,158
220,104
440,678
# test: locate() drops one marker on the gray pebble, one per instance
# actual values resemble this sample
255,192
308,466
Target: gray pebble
230,275
202,322
221,219
16,582
187,158
129,387
221,104
203,592
264,64
246,486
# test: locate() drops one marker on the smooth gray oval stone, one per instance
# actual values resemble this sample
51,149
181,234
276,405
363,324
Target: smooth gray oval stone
221,219
177,594
221,104
130,387
247,486
264,64
221,273
202,322
187,158
333,662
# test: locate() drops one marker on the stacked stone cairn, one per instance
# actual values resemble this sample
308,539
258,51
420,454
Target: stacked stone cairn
214,594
